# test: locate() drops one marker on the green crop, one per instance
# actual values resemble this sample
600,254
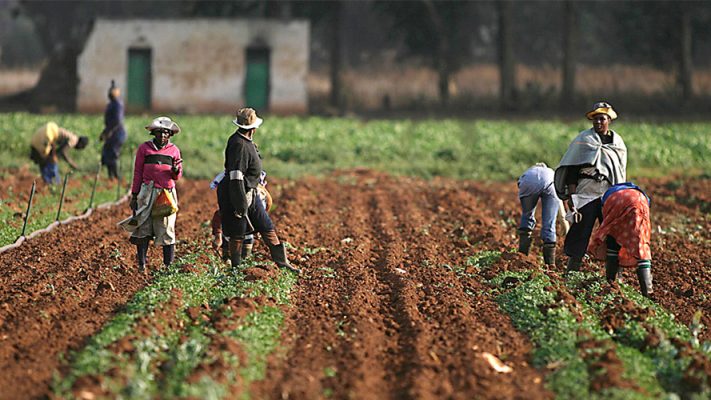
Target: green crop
464,149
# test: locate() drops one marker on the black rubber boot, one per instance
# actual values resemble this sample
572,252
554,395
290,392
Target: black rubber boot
141,253
524,241
235,252
168,254
278,253
612,267
549,253
645,281
574,264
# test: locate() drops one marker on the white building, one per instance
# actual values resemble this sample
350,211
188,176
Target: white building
197,65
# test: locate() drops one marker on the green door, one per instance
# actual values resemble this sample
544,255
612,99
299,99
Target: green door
138,91
256,92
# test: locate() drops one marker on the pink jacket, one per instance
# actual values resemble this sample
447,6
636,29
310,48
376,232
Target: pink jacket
155,165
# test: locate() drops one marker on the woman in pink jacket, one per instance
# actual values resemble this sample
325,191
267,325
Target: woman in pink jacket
158,166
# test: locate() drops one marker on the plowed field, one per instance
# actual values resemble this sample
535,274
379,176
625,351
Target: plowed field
379,302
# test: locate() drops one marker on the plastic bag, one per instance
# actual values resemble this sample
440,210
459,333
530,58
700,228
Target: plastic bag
164,205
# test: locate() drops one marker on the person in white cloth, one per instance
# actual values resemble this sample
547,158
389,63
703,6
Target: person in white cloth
595,160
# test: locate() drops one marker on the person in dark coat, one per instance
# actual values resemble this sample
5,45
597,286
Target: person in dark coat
114,134
242,212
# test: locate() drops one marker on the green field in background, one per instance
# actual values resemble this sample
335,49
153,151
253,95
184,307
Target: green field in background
463,149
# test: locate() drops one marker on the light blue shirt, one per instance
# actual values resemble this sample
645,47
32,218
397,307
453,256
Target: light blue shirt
536,180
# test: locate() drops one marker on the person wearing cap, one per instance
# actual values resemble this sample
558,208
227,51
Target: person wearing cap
535,184
625,209
595,160
114,134
158,165
241,212
49,143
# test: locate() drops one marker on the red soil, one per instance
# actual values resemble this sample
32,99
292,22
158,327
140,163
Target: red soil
379,311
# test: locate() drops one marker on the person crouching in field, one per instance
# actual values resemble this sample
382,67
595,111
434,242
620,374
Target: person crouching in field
624,236
537,183
220,241
154,200
49,143
241,212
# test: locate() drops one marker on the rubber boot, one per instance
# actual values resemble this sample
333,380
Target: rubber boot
226,251
247,250
235,252
524,241
574,264
549,253
612,267
141,253
645,281
168,254
278,253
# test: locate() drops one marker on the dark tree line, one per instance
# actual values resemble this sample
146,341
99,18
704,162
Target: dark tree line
672,35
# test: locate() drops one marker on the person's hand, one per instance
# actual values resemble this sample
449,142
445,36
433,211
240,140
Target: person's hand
134,202
176,164
217,242
570,204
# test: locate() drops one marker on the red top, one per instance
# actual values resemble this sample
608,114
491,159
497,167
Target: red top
159,172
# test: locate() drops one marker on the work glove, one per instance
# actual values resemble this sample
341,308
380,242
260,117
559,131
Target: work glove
573,216
134,202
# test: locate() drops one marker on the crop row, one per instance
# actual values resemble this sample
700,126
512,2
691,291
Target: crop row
198,330
596,340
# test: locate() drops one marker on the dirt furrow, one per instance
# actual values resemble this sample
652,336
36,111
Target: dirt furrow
62,286
409,329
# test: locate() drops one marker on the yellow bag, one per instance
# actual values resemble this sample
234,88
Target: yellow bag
164,205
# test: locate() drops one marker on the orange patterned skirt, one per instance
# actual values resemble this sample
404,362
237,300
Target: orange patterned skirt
625,218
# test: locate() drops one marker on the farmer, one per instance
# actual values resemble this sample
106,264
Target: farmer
222,241
114,134
48,144
625,208
594,161
153,196
237,193
537,183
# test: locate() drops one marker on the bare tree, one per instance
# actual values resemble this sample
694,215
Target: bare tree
507,72
571,36
685,77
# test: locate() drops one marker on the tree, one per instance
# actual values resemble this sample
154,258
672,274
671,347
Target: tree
439,32
571,34
507,66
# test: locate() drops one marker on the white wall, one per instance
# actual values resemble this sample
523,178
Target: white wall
197,65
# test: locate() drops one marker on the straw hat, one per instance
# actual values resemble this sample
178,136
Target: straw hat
601,107
247,119
163,123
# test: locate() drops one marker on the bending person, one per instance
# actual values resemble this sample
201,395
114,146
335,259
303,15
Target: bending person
48,144
537,184
625,208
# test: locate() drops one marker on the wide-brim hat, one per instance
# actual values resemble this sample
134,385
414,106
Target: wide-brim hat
163,123
601,107
247,119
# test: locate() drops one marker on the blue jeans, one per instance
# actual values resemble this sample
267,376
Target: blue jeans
50,173
550,208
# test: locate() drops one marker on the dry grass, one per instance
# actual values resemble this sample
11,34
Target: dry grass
17,80
365,88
